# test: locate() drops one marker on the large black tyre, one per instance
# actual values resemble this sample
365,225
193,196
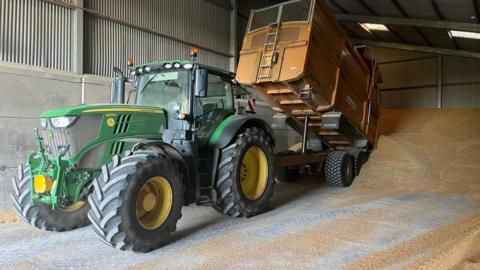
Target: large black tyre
359,157
339,169
41,215
233,197
115,204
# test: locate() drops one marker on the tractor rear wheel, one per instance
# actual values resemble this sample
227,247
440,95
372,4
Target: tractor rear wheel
137,201
339,170
245,175
41,215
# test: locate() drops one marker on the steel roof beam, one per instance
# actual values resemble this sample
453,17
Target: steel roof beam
441,17
415,48
367,7
470,27
404,13
338,6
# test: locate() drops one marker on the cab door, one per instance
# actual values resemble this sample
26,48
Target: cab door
211,111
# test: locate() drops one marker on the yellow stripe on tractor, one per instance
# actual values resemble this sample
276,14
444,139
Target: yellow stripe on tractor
124,110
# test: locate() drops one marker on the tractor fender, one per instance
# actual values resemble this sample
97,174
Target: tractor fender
183,165
229,128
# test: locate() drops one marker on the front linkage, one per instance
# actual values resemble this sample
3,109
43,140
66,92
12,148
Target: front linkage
54,182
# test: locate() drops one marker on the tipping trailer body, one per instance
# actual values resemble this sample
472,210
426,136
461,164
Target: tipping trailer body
297,58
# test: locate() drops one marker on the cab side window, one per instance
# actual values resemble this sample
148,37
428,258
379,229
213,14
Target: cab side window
215,106
219,95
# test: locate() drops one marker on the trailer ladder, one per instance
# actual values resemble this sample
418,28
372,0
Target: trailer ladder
267,58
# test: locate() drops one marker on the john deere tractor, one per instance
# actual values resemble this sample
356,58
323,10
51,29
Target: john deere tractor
129,169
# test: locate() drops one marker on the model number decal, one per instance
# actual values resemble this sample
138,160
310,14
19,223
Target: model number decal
351,103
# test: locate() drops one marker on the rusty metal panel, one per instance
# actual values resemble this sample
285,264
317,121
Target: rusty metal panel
37,33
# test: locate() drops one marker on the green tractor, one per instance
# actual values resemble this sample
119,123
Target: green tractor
129,169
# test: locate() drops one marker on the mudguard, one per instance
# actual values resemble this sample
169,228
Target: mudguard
184,161
228,128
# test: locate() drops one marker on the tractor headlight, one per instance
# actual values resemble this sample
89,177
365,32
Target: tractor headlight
62,121
187,66
43,123
177,65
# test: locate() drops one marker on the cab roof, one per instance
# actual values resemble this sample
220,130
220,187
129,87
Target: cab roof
183,62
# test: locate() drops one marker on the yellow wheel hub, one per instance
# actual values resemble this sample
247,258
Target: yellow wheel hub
154,202
254,173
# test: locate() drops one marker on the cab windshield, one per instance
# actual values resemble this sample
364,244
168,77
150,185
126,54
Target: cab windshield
166,89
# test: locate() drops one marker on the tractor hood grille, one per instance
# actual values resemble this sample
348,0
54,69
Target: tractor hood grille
84,130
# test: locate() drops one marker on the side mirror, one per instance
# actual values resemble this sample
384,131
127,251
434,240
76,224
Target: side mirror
117,93
201,82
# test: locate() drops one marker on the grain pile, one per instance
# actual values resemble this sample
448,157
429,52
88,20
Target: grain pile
435,151
426,150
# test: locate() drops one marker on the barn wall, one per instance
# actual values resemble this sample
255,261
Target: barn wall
410,80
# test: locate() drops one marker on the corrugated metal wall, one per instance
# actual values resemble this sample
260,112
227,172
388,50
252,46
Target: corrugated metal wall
40,33
110,43
34,32
411,80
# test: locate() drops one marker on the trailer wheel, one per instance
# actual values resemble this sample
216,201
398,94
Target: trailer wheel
245,177
137,201
41,215
359,158
339,169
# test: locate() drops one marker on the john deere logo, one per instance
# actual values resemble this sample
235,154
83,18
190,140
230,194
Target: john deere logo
50,134
111,122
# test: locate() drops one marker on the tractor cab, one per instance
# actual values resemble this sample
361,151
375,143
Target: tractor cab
194,97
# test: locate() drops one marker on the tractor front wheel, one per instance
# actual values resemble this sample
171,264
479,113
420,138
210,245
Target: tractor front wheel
245,176
137,201
41,215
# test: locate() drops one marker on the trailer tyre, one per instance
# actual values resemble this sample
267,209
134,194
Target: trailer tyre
359,157
245,178
137,201
41,215
339,169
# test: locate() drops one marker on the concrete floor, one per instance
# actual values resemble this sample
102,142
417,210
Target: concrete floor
307,228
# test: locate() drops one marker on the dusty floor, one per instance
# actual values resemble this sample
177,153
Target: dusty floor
415,205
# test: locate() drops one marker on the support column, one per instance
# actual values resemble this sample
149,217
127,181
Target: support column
233,35
439,80
77,42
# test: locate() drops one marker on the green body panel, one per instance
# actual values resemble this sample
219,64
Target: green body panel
97,108
218,131
143,123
